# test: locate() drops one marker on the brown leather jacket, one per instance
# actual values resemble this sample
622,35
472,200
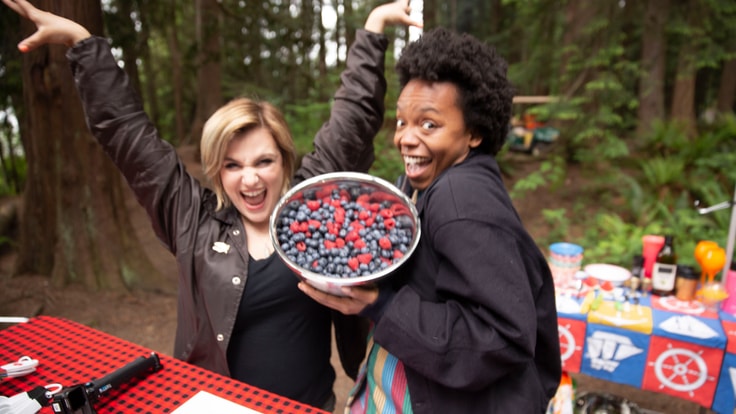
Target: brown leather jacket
182,211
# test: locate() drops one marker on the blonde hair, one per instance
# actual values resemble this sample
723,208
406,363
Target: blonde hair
237,117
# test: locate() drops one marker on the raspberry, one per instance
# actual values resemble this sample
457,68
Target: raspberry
294,227
353,263
339,215
385,243
365,258
352,236
313,205
389,223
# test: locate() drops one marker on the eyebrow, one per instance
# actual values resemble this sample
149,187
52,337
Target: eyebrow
268,154
423,109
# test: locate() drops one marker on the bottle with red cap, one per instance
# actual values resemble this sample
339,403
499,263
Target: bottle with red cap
664,272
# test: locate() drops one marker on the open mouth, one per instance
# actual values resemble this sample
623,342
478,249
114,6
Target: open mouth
415,165
254,199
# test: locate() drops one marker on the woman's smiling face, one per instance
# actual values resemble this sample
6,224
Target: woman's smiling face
252,174
430,131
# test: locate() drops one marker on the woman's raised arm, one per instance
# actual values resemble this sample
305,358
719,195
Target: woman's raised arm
51,29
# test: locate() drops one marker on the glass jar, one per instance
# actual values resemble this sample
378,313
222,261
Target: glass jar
637,273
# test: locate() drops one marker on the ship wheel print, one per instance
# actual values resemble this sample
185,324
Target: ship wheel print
681,370
567,342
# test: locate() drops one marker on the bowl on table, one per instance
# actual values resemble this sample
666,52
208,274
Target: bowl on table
616,275
344,229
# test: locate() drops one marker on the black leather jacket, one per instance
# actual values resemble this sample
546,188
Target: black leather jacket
182,211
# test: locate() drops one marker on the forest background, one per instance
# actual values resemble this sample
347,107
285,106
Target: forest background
644,90
645,93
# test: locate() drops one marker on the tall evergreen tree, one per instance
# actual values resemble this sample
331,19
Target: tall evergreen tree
75,226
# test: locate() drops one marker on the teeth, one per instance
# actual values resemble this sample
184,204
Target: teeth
414,160
253,193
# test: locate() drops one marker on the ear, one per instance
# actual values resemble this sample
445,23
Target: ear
475,141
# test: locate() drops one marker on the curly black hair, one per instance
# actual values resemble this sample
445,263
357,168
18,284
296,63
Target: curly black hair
479,73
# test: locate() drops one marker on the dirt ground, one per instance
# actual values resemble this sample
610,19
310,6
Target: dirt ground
149,319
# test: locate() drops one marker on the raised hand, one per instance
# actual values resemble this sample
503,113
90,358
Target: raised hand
394,13
51,29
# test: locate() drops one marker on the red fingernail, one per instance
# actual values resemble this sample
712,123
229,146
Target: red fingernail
23,48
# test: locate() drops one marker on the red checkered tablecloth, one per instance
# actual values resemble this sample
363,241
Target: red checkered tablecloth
70,353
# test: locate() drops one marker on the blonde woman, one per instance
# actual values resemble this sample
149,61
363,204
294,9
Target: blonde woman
239,310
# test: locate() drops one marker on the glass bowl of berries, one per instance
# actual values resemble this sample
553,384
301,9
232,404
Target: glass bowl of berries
344,229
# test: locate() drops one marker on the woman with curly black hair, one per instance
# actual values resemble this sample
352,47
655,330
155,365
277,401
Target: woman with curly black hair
468,324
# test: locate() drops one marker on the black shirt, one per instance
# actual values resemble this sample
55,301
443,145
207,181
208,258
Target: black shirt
281,340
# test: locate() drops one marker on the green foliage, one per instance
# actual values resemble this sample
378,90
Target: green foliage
612,240
6,241
605,102
304,120
12,159
638,185
388,164
659,172
653,190
658,197
13,175
551,174
559,224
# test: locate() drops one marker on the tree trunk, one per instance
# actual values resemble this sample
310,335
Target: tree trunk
350,24
430,14
340,29
578,14
309,24
127,38
75,225
653,62
727,88
172,37
209,72
452,13
479,18
151,94
683,94
322,56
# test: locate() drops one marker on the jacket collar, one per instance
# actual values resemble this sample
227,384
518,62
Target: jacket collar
228,215
403,184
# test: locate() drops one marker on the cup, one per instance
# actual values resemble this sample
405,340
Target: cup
711,295
729,304
565,259
651,245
